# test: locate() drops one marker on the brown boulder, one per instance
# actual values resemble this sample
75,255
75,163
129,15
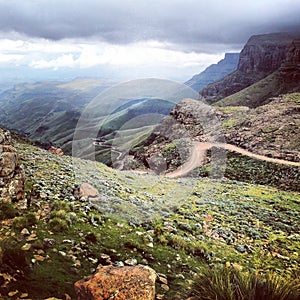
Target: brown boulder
119,283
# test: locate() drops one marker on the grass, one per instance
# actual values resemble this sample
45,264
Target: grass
193,236
231,284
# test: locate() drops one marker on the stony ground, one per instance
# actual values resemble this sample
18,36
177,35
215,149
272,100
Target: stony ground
176,226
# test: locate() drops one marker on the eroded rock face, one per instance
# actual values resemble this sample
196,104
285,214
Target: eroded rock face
262,55
119,283
11,173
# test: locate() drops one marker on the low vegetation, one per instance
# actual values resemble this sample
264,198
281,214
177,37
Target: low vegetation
222,237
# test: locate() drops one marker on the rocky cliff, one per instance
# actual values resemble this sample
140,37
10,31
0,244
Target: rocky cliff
214,72
11,173
286,79
261,56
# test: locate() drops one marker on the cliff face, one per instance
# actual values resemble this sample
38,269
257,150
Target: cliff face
286,79
261,56
214,72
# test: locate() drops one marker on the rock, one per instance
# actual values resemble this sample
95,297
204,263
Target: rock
131,262
49,243
25,231
11,172
55,150
121,283
165,287
87,191
26,247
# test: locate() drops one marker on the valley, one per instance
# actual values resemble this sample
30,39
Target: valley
199,182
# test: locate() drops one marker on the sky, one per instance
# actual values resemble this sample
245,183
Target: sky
129,39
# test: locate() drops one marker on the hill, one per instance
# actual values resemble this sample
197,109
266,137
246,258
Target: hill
271,130
214,72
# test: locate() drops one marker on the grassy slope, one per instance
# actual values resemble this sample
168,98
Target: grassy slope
215,219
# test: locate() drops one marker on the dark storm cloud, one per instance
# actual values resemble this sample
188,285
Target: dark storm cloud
186,23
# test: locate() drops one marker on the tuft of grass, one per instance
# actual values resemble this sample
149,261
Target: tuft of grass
58,225
7,211
24,221
230,284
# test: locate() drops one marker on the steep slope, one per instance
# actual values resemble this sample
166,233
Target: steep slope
285,79
271,130
261,56
179,227
214,72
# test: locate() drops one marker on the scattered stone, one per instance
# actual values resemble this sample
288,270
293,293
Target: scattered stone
11,294
111,282
26,247
39,257
165,287
162,279
49,243
25,231
131,262
55,150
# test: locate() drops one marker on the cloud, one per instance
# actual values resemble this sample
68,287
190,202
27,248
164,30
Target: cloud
188,23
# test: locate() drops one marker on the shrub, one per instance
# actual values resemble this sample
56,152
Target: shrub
58,225
7,211
24,221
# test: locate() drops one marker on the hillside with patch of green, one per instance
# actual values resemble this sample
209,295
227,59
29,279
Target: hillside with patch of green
184,228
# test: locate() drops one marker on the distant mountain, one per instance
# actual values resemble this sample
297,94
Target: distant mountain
47,112
261,56
214,72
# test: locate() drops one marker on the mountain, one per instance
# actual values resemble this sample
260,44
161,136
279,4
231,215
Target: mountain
214,72
261,56
285,79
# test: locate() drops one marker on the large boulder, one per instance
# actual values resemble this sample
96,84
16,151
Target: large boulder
119,283
11,173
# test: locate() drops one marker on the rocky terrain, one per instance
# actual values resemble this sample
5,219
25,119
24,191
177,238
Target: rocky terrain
261,56
214,72
61,232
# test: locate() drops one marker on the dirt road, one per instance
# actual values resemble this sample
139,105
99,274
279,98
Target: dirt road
198,156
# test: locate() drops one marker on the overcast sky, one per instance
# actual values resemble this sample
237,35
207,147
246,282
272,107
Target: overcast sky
158,38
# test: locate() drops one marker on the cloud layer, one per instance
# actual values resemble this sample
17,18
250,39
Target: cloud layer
187,23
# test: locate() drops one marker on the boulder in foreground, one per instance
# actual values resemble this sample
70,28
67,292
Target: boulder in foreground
119,283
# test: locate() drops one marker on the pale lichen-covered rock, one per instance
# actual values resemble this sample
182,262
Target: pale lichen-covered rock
119,283
11,173
86,190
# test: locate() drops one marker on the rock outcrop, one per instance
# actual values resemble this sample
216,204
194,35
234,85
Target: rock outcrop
261,56
214,72
11,173
119,283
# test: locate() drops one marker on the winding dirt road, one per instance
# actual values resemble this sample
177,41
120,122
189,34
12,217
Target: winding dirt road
199,152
